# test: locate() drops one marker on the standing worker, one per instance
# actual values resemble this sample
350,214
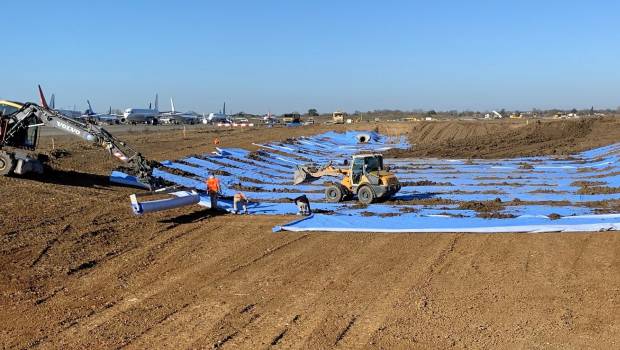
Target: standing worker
240,199
213,188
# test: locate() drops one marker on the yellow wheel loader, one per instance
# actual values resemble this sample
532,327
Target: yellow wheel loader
365,178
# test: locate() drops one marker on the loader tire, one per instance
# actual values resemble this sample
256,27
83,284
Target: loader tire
7,164
333,194
365,195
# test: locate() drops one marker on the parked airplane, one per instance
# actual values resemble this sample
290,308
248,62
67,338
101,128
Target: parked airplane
174,117
142,115
220,117
270,119
73,114
101,118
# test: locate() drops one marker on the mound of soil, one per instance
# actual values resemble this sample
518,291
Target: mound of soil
494,215
501,139
482,206
241,187
587,183
598,190
59,153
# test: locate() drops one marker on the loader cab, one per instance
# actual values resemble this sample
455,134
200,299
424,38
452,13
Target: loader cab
364,164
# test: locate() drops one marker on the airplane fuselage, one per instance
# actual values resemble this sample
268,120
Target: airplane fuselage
104,118
178,118
217,118
137,115
70,114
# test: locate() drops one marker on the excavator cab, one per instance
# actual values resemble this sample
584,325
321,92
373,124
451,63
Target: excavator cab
9,107
15,143
24,138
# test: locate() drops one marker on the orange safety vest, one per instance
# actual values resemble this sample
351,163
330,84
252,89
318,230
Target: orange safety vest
213,185
239,196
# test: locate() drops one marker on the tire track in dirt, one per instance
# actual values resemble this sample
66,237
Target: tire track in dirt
328,317
91,321
239,300
153,293
238,275
386,278
412,285
79,283
297,299
267,253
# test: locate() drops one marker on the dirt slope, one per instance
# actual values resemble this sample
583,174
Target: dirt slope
79,271
502,139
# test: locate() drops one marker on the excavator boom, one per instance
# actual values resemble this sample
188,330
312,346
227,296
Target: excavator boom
19,135
32,115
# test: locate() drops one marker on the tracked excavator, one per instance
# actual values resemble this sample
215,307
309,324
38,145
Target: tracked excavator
19,133
365,177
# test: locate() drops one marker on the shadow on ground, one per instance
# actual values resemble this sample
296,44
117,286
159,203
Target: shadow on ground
196,216
70,178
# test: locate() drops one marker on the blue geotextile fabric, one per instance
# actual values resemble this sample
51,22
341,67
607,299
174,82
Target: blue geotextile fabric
414,224
535,187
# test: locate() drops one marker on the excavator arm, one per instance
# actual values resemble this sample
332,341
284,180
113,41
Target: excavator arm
33,115
18,134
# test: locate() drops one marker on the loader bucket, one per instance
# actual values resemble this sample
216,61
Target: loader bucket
303,175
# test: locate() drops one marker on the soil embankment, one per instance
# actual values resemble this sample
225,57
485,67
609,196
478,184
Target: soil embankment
510,138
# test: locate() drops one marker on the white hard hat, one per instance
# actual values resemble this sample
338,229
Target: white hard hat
211,176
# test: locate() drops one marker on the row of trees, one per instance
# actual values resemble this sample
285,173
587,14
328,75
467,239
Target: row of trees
396,113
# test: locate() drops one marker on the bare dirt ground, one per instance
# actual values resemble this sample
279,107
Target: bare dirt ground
509,138
80,271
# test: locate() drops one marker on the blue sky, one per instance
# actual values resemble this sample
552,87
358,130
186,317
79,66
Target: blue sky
280,56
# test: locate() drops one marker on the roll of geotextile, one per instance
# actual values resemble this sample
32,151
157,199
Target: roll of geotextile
140,208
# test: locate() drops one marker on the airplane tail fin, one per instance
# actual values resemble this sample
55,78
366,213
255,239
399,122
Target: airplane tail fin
172,105
53,101
90,108
42,97
156,102
110,110
224,110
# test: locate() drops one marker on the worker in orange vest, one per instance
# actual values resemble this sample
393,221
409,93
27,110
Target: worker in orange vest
213,188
